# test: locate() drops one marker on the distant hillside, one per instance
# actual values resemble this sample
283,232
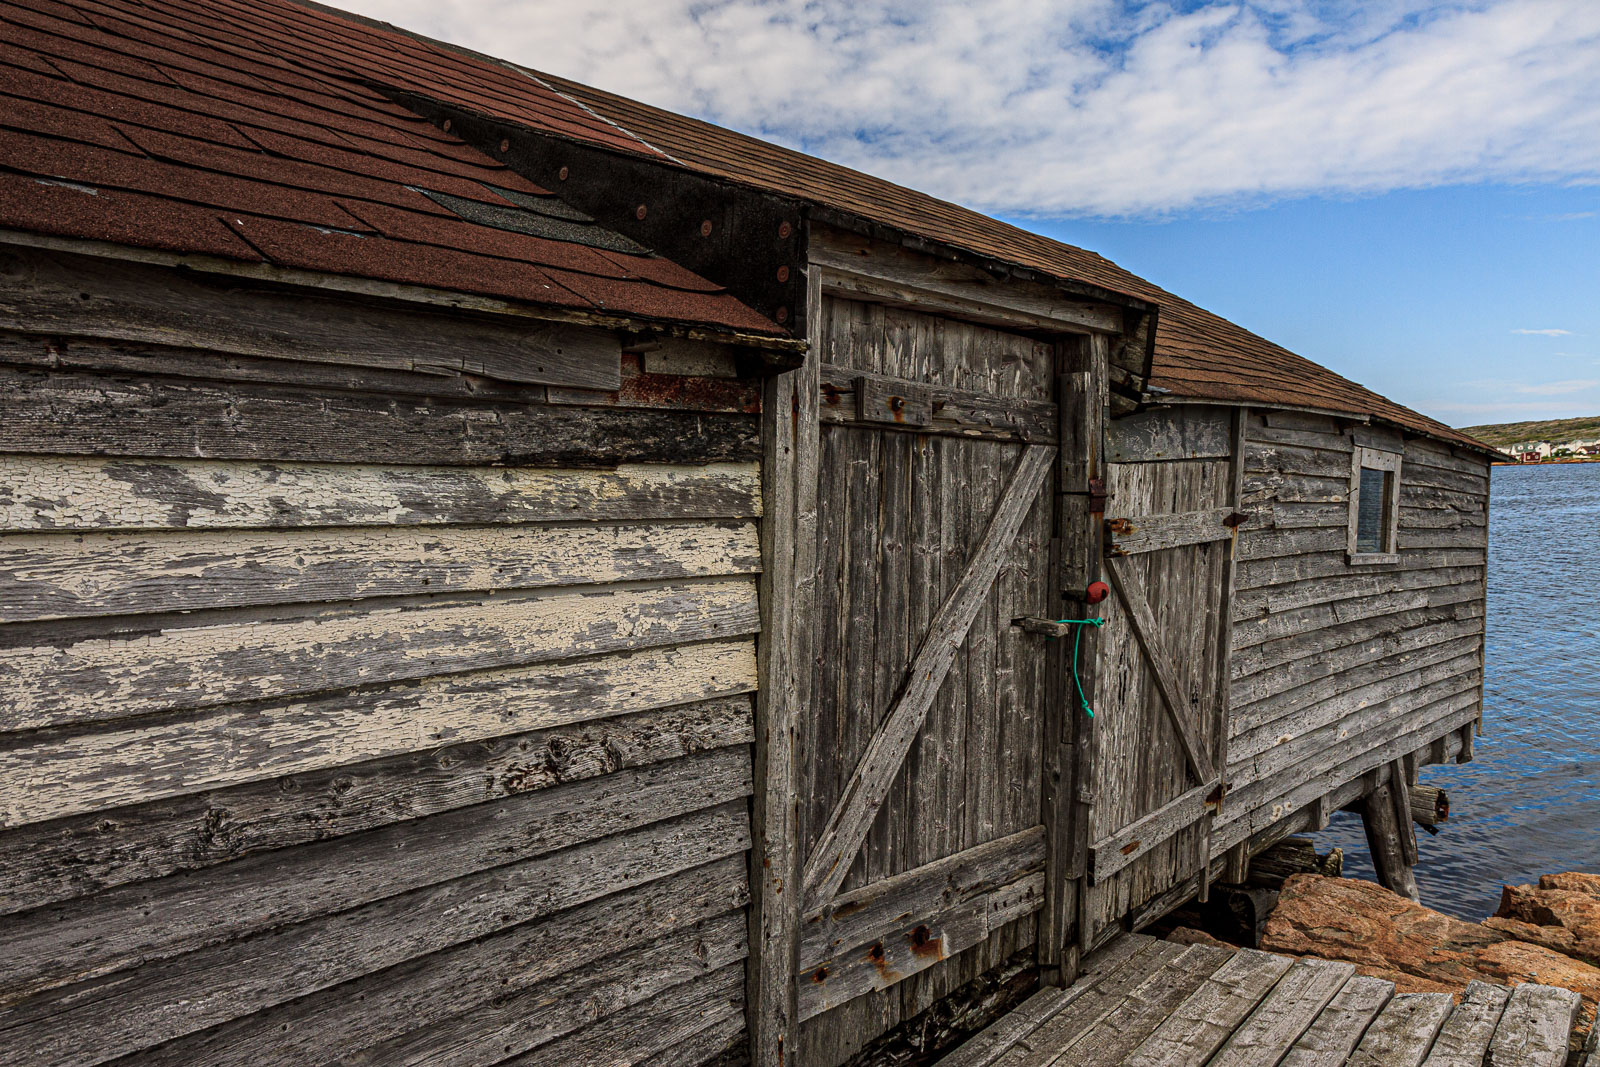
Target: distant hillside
1555,431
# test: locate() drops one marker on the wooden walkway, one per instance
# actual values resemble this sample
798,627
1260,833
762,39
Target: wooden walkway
1155,1004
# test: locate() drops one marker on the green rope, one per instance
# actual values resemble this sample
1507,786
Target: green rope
1078,636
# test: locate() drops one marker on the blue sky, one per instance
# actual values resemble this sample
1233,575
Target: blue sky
1394,188
1419,294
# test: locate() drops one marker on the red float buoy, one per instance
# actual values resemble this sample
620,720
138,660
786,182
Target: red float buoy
1097,592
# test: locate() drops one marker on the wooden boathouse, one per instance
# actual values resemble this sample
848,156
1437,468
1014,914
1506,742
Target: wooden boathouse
497,573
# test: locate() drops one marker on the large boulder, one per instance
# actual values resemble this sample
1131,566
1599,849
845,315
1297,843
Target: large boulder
1562,913
1417,948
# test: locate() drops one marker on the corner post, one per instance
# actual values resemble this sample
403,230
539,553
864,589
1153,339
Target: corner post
789,445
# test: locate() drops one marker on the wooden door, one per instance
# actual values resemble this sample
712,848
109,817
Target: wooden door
922,738
1161,674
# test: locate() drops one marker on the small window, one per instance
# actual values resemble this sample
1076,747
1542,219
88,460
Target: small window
1374,506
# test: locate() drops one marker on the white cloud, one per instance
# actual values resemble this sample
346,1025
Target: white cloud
1090,106
1571,385
1546,333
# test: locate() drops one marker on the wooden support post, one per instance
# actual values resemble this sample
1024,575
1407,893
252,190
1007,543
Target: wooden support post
1400,790
1379,818
1464,753
790,443
1083,396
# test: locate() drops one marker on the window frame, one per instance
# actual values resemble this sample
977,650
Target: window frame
1384,460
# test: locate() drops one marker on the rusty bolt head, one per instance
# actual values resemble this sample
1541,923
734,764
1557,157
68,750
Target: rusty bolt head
784,230
705,228
505,144
446,125
783,315
783,274
640,212
562,174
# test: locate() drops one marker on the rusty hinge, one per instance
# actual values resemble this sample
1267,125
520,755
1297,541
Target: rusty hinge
1098,495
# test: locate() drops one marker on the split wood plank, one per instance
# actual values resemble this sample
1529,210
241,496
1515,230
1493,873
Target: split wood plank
1127,536
295,961
426,989
1200,1025
50,777
864,794
1330,1040
1111,854
143,921
66,858
55,293
1143,622
189,666
1535,1028
1285,1014
1142,1010
1464,1039
60,576
1404,1030
75,413
81,493
873,911
587,997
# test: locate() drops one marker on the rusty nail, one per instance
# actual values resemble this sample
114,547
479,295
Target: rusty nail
783,274
446,125
705,228
783,315
640,212
562,174
505,144
784,230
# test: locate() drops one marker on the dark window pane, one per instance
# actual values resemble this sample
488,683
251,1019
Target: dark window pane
1370,511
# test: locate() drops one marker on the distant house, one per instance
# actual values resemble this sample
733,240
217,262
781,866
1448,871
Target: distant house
1529,456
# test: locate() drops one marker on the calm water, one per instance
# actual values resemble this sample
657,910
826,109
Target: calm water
1529,803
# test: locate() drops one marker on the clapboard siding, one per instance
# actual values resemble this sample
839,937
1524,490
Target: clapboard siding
1338,669
366,700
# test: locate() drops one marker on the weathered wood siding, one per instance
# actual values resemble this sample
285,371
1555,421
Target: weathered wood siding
1338,669
900,515
344,717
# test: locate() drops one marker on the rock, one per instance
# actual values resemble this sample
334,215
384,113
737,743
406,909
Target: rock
1416,947
1562,913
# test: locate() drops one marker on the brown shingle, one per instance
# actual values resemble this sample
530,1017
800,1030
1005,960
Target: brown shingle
260,135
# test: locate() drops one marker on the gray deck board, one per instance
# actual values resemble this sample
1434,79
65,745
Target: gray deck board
1340,1027
1535,1027
1300,996
1404,1030
1202,1023
1146,1003
1464,1040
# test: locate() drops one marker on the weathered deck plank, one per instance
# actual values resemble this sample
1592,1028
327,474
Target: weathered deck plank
1464,1041
1298,999
1203,1023
1403,1031
1140,1011
1147,1003
1535,1028
1329,1040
